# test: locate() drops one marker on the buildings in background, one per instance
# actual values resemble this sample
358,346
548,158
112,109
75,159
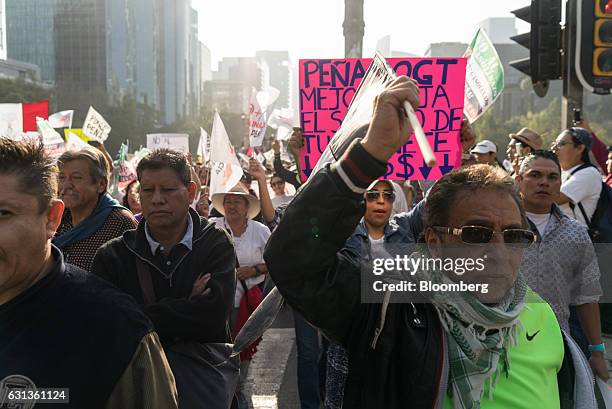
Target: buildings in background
29,34
146,49
279,65
230,89
11,69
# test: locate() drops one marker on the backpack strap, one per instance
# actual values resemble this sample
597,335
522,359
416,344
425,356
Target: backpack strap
145,281
579,168
571,205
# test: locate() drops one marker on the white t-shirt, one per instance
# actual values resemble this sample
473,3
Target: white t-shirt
279,200
540,220
249,250
583,186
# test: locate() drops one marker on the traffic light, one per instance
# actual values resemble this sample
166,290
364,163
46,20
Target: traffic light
543,42
594,66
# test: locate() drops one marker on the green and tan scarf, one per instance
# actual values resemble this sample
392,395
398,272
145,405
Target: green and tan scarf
478,336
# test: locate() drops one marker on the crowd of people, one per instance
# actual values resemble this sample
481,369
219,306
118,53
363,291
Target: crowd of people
146,292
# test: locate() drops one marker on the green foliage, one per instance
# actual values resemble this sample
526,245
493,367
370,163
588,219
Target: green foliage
17,91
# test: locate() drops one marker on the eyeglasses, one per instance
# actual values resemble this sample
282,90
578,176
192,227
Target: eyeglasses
560,144
482,235
375,194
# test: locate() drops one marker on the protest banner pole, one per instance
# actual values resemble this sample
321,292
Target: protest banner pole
428,155
426,151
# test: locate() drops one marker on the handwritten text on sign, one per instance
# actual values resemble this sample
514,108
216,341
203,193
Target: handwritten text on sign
326,90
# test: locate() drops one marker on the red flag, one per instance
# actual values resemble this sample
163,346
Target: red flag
31,111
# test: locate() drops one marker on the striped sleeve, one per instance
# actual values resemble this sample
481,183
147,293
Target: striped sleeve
357,168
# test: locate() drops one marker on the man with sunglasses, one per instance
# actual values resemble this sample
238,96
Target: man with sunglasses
581,181
461,350
522,144
561,266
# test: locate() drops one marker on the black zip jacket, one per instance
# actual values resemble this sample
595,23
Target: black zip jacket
174,315
400,364
320,279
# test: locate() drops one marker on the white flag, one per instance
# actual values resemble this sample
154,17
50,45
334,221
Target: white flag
484,76
62,119
282,120
225,168
74,142
95,126
52,140
204,146
260,108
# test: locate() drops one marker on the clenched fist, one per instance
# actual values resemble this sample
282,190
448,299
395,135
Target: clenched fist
389,129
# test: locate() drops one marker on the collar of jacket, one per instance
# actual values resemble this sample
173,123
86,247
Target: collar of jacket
391,228
136,240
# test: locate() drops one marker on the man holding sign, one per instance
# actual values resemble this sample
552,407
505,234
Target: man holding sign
439,349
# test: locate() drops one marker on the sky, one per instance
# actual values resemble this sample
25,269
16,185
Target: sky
313,28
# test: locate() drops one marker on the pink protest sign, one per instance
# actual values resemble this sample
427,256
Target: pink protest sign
328,86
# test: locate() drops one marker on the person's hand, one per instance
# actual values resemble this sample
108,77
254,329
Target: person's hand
199,287
468,137
189,159
246,272
276,146
390,129
256,170
295,143
598,364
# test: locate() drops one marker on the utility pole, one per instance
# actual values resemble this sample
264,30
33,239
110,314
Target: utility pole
572,88
353,28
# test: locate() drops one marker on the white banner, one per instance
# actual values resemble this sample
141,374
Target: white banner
95,126
62,119
52,140
225,168
11,121
260,108
175,141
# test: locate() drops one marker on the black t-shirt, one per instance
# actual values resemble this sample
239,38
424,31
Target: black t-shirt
69,330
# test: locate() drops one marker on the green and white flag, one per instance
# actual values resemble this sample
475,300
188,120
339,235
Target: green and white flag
484,78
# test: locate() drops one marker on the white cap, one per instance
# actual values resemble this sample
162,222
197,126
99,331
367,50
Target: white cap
484,147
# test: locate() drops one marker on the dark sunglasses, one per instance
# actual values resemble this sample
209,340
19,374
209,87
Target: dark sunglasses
373,195
482,235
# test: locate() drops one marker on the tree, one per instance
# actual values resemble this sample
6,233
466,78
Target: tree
19,91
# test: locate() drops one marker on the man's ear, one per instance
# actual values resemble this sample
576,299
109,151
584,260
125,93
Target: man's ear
191,188
434,242
102,186
54,217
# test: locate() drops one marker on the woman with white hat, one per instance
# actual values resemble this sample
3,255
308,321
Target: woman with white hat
238,208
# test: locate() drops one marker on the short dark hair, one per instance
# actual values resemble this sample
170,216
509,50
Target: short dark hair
166,158
466,181
538,154
98,165
35,170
